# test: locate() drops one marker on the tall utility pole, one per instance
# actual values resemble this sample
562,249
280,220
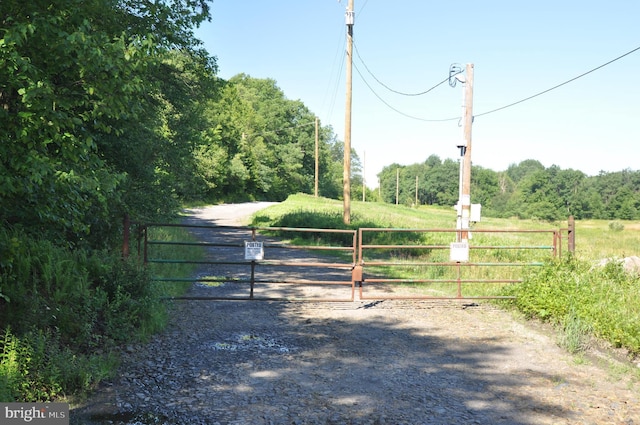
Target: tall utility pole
346,177
317,159
465,201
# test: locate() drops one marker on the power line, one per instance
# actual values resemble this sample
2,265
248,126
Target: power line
389,88
397,110
559,85
334,93
493,110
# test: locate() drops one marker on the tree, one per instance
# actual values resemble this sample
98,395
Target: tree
269,144
485,187
79,92
523,169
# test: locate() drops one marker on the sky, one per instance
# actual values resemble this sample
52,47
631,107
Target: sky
517,49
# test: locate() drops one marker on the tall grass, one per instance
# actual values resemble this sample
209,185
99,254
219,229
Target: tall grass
598,239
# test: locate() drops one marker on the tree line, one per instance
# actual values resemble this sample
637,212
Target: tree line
525,190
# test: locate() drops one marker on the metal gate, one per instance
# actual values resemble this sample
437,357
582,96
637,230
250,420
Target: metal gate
252,263
246,263
427,271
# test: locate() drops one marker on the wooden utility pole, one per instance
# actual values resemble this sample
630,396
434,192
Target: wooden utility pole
346,177
416,190
317,156
466,160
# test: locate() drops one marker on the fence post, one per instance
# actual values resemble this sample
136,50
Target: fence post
125,237
571,234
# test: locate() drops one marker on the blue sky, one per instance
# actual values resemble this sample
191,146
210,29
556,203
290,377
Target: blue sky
517,48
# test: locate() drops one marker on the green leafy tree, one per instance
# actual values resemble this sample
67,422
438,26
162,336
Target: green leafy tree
264,144
80,92
485,187
518,172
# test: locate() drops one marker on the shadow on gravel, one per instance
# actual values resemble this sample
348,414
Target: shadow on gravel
279,363
228,362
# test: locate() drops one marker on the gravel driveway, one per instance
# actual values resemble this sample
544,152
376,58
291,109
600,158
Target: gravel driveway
385,362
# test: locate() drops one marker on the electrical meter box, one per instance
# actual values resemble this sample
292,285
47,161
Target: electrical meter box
475,212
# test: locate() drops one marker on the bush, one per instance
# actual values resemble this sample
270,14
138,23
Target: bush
581,298
616,226
62,311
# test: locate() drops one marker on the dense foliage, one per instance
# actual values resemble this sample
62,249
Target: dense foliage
600,301
62,312
524,190
261,145
112,107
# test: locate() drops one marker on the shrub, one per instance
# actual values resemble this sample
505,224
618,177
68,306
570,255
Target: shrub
62,312
616,226
583,299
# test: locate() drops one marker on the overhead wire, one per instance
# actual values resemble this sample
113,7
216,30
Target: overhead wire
338,79
559,85
397,110
331,92
363,6
487,112
437,85
386,86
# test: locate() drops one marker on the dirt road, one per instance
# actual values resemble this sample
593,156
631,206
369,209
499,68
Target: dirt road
386,362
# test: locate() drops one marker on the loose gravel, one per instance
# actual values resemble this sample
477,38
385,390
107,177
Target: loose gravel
381,362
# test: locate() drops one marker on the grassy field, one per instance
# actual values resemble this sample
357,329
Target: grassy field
583,301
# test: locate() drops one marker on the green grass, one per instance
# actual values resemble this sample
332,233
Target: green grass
596,239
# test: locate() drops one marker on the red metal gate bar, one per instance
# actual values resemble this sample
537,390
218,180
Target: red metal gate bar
413,264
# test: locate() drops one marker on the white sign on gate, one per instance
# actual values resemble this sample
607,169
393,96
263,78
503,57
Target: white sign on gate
459,252
253,250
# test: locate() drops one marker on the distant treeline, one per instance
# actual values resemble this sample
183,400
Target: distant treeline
524,190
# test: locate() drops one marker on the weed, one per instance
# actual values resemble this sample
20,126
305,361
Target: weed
575,334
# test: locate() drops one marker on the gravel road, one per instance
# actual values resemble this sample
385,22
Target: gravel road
384,362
